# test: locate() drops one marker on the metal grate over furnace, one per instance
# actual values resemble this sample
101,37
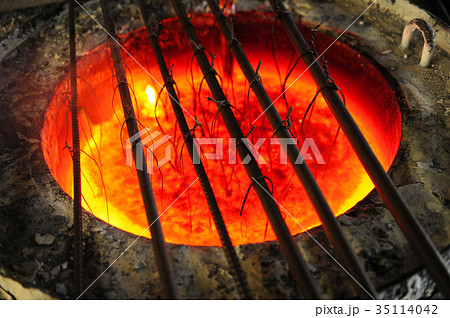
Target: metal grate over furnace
414,232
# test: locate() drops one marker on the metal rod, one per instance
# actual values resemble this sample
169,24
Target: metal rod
159,247
228,248
288,245
331,226
77,211
414,232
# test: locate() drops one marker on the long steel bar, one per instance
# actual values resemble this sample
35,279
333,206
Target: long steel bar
77,211
228,248
332,227
159,247
287,243
414,232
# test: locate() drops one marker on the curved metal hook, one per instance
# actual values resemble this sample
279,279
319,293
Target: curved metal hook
428,39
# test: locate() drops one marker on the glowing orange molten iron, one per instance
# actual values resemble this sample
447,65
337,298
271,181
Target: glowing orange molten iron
110,187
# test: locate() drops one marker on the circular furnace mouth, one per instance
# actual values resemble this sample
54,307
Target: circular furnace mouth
109,183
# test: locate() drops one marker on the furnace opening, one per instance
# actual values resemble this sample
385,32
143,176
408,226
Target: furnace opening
110,188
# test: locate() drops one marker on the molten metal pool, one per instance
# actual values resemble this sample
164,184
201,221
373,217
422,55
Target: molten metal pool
110,187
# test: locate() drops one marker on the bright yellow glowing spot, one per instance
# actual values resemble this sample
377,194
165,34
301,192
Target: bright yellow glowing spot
151,94
148,109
